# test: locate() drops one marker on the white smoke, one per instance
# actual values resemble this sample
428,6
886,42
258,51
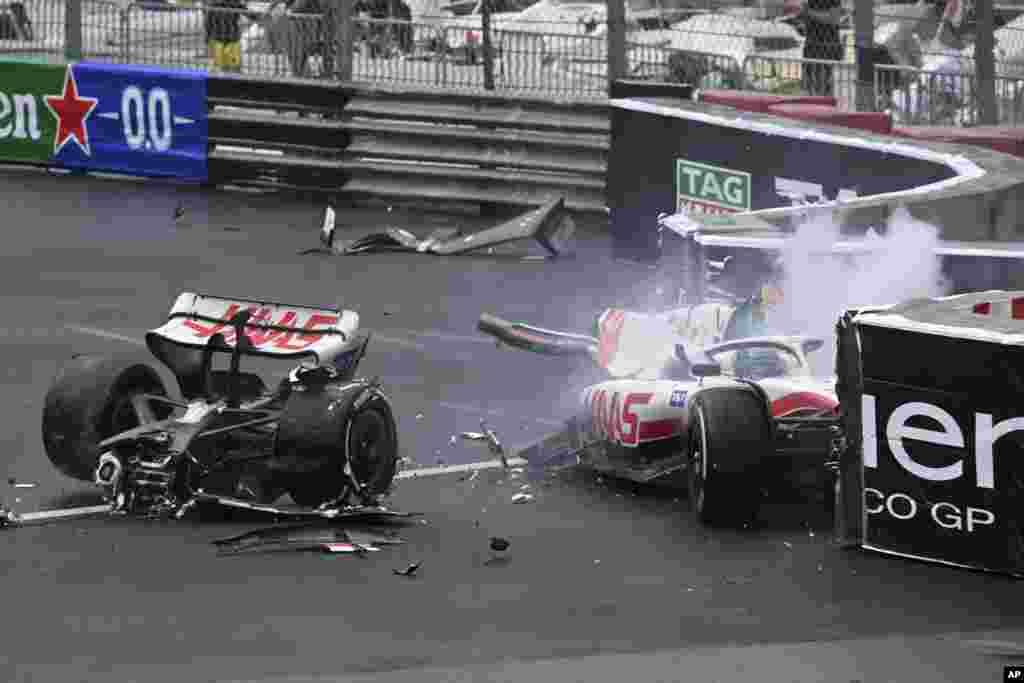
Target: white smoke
818,285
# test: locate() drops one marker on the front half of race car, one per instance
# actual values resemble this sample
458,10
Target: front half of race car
729,421
322,436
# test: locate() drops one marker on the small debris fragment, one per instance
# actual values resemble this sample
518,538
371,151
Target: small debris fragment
522,498
348,548
821,568
499,545
408,571
452,441
179,212
788,544
597,561
810,533
8,518
419,416
524,487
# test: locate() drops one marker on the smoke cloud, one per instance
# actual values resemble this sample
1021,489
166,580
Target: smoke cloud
819,285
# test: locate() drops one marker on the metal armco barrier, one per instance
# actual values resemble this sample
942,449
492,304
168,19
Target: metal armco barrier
358,140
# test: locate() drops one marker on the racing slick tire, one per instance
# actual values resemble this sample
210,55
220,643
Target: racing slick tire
320,431
730,430
89,401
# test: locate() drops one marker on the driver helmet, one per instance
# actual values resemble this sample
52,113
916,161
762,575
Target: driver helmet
759,364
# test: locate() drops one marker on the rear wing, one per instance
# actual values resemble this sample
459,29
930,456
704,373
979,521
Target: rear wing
275,329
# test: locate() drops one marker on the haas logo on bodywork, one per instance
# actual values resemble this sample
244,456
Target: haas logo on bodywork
280,338
613,416
630,418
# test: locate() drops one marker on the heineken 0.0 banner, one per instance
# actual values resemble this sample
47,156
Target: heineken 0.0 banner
104,117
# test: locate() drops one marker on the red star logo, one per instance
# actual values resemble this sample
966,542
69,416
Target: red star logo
71,112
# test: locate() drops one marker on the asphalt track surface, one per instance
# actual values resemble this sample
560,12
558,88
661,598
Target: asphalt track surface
601,583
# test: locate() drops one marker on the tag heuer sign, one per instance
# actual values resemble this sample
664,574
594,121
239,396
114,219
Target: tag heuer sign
702,188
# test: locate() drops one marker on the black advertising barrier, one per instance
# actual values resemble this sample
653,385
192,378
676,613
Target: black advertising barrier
671,154
940,442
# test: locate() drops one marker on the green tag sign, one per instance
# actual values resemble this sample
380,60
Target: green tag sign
706,189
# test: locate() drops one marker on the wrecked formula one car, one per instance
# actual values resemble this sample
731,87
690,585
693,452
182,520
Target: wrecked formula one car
550,225
322,436
730,420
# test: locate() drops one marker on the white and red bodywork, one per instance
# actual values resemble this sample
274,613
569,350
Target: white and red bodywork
639,406
632,412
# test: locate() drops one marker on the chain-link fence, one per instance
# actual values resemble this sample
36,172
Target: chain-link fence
915,96
542,46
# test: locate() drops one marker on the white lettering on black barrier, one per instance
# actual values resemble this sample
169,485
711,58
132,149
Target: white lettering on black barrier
947,515
951,435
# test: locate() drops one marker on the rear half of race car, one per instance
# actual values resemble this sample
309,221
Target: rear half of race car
320,434
931,467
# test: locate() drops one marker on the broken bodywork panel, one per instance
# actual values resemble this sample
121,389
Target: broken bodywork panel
550,225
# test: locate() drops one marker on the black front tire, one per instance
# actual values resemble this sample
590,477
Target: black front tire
729,432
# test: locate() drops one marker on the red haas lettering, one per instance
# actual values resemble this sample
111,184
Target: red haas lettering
615,419
262,337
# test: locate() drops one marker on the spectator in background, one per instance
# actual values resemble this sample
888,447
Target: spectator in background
821,19
313,32
224,33
403,13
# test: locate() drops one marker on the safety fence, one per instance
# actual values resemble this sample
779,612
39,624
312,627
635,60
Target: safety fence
948,98
734,48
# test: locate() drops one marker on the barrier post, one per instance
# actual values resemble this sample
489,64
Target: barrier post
864,31
616,41
344,39
124,30
984,61
488,56
73,30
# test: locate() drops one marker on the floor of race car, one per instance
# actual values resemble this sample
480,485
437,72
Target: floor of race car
601,582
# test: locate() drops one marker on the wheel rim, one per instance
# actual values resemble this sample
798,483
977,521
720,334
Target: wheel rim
366,442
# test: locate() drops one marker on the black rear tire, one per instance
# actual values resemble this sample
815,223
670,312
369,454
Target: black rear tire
728,434
91,400
318,438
